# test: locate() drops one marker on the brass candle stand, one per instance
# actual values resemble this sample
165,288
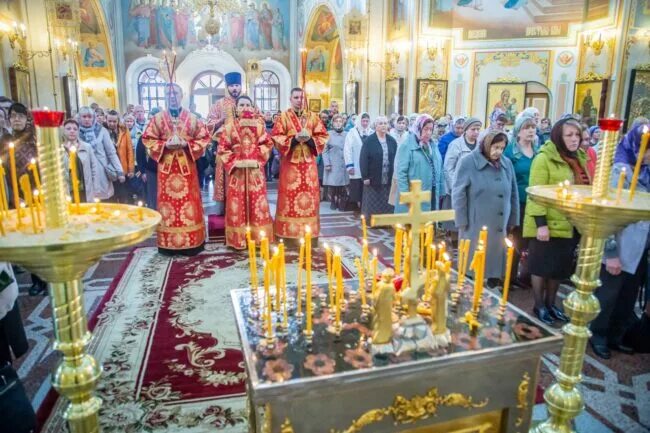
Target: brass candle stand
61,254
596,215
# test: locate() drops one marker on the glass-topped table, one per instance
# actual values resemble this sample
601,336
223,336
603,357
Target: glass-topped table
330,383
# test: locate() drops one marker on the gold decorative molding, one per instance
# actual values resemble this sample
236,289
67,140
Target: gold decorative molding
407,411
522,398
435,76
592,76
286,426
511,59
509,79
392,75
643,67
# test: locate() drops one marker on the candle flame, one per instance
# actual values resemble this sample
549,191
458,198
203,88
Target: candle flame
96,200
302,241
443,245
11,145
73,149
508,243
567,183
69,199
248,229
140,203
23,205
32,161
623,170
365,241
484,228
307,229
433,247
325,245
446,257
36,193
645,129
262,234
374,251
116,213
46,109
337,251
276,250
398,226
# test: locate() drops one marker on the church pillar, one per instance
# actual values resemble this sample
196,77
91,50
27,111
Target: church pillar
412,73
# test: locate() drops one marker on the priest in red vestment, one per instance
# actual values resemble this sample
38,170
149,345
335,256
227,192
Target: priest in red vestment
244,148
220,113
175,138
300,137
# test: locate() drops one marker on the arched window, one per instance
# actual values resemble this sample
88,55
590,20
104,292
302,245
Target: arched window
207,88
151,89
266,91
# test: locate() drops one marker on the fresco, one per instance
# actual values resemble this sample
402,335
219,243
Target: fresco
259,29
509,19
93,54
325,29
89,22
642,14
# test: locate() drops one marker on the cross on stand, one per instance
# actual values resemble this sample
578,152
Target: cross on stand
416,220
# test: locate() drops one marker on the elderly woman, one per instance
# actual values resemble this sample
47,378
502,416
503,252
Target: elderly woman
520,151
351,152
335,177
93,183
376,164
625,260
401,134
93,133
552,238
485,195
419,159
460,147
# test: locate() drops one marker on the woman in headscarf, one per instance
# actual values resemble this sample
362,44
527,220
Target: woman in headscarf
592,157
419,159
401,134
351,151
520,151
594,137
485,195
625,261
376,164
552,238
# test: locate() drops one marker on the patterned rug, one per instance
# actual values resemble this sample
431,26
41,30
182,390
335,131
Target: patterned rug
166,339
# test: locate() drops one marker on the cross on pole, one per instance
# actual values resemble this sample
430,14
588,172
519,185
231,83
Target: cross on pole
415,219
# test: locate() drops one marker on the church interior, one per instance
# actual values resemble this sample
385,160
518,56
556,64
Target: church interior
410,216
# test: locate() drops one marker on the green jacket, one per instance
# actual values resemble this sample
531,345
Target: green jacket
549,169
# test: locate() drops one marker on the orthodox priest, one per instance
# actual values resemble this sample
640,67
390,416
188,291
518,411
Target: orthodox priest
244,148
176,138
220,113
300,137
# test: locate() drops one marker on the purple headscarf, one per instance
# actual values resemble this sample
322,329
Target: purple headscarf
627,152
419,124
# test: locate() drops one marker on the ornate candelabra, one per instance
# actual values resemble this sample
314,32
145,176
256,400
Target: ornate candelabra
596,215
60,254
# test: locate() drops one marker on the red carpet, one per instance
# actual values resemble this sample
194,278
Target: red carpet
165,337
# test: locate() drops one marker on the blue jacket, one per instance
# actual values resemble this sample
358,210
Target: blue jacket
444,141
413,165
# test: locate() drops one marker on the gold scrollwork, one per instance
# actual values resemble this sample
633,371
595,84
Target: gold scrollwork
509,79
435,76
592,76
643,67
522,398
407,411
286,426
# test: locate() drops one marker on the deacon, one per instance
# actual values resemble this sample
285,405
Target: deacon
300,137
244,148
175,139
221,112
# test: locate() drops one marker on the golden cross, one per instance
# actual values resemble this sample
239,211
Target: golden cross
415,219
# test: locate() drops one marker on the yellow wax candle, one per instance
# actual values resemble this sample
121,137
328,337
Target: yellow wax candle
98,205
621,183
328,261
639,160
478,278
283,275
4,204
26,187
264,246
248,234
37,179
301,258
397,257
75,180
442,250
362,281
36,195
483,236
252,264
141,217
431,253
422,251
364,253
14,183
374,273
267,297
428,239
2,227
308,308
275,266
364,227
339,284
506,282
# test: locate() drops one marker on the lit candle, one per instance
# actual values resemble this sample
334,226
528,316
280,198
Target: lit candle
442,249
364,253
2,227
364,227
283,275
397,257
252,264
308,308
374,272
267,297
36,198
506,281
431,253
477,266
429,238
75,180
639,160
301,259
264,246
275,265
26,186
4,204
621,183
14,183
362,281
248,234
37,179
339,284
483,236
98,205
328,261
141,217
422,251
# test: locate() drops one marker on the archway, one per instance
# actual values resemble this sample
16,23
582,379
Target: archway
324,61
538,96
207,88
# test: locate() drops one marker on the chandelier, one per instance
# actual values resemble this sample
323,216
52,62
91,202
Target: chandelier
214,9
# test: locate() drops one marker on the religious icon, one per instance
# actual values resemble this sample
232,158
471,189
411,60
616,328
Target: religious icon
315,105
394,102
432,97
589,100
638,99
507,98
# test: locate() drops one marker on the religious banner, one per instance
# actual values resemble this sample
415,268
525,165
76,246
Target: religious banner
394,96
590,99
431,97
